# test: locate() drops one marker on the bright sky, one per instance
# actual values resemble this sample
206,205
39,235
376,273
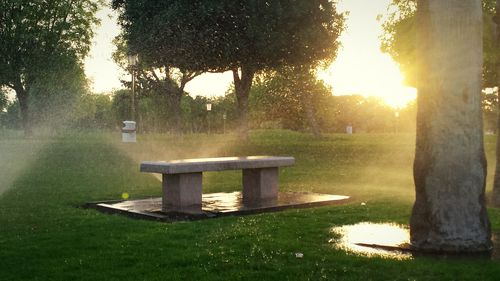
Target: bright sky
360,67
99,66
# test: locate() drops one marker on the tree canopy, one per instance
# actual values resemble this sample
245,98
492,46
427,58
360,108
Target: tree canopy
41,36
399,39
221,35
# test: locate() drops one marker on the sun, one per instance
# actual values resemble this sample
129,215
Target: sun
375,75
360,67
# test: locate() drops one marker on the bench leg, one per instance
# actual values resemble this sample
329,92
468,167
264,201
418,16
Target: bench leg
182,193
260,185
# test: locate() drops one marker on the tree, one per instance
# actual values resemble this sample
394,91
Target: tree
93,111
38,37
449,213
399,39
11,118
292,97
244,37
3,99
54,95
399,42
496,183
155,77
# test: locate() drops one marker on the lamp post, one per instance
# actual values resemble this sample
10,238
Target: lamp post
224,116
132,62
209,108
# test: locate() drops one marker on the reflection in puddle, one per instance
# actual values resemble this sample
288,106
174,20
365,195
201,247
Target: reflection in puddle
226,203
370,239
390,240
233,201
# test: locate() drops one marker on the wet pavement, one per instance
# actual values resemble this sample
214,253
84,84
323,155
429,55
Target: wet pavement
218,204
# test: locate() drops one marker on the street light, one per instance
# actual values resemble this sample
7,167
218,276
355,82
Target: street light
133,59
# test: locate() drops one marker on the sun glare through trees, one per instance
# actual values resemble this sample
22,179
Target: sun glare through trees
359,69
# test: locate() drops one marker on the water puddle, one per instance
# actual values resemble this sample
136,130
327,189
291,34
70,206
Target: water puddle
232,202
389,240
374,239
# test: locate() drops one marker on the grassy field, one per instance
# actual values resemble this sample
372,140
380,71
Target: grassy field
45,235
16,154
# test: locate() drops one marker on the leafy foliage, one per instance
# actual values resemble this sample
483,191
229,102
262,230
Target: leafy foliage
287,97
241,36
274,104
154,114
55,94
40,41
94,112
153,80
35,32
399,39
222,35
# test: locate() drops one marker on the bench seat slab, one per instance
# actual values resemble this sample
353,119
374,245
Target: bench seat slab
215,164
260,185
182,192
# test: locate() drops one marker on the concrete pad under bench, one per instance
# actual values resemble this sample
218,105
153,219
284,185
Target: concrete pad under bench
216,205
182,179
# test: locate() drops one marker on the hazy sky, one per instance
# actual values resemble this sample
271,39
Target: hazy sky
99,66
360,67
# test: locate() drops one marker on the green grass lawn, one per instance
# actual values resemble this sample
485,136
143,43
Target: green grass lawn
16,154
45,235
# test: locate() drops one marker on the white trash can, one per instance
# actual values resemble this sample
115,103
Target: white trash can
348,130
129,131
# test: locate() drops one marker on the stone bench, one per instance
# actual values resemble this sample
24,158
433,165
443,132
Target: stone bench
182,179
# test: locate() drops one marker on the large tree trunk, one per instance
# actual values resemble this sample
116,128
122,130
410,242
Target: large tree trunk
449,213
242,85
177,111
22,97
310,113
176,99
496,183
304,77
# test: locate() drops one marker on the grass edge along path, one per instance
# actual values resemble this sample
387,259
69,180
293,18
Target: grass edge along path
45,236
